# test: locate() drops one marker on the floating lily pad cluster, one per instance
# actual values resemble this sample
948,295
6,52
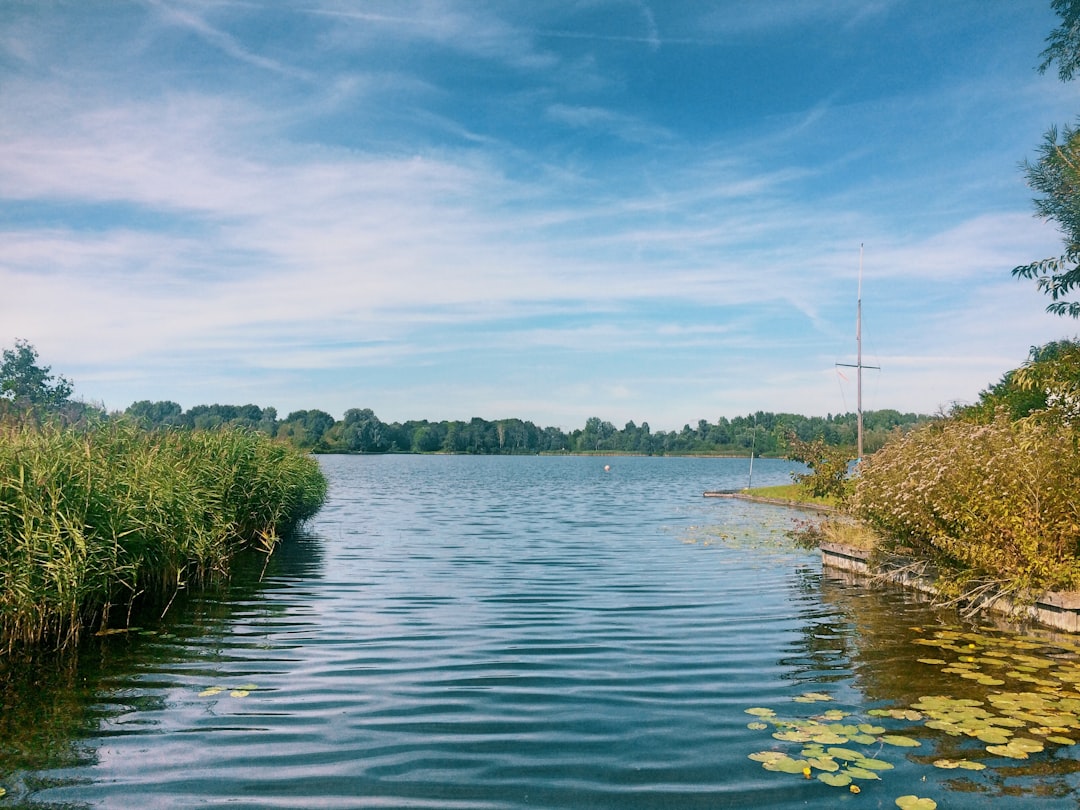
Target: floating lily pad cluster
1013,724
826,739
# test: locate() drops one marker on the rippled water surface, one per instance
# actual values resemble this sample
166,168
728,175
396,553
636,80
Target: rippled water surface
499,632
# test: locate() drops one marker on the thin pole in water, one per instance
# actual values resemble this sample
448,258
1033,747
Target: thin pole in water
753,446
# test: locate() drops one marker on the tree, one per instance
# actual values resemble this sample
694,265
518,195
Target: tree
1063,44
1056,174
25,383
829,470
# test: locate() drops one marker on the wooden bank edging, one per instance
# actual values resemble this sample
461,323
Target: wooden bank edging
1060,611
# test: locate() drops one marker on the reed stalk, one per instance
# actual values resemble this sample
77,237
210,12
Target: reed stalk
96,518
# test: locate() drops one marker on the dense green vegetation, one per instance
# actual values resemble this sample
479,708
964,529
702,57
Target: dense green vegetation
361,431
988,495
97,513
94,518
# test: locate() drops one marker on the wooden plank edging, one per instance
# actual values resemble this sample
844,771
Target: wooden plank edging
1059,610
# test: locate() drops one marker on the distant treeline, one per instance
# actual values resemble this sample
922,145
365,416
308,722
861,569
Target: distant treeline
361,431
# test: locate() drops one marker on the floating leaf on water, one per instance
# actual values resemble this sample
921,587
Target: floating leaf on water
1060,740
994,736
812,697
857,772
900,742
947,764
757,726
968,765
863,739
837,779
844,753
829,738
867,728
876,764
767,756
786,764
935,661
989,681
210,692
915,803
792,736
758,712
1007,751
239,693
824,764
834,714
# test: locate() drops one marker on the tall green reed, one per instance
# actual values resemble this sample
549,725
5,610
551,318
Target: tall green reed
96,519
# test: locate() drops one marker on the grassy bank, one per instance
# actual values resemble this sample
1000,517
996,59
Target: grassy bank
93,520
793,493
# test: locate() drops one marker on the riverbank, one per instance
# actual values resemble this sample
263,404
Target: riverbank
95,520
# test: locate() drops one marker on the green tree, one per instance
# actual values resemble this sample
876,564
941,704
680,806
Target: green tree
29,385
1063,44
829,472
1055,176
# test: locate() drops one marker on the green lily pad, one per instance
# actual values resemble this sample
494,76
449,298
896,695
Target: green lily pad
757,726
835,779
786,764
856,772
900,742
876,764
845,754
759,712
767,756
812,697
915,803
829,738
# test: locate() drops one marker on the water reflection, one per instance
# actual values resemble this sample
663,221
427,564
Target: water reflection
58,705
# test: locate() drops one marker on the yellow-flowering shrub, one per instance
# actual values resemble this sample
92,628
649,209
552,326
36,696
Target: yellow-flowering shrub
993,502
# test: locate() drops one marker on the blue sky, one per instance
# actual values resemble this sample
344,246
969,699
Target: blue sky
508,208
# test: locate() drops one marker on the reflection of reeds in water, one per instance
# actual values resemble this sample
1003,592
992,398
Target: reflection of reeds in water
93,518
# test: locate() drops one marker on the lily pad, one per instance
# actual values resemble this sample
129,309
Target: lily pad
786,764
900,742
915,803
838,779
760,712
856,772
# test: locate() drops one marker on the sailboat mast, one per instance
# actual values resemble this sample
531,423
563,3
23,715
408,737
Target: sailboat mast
858,364
858,355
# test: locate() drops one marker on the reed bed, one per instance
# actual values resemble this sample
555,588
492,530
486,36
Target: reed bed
93,520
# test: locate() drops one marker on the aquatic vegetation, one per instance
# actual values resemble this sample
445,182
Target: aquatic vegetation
981,727
98,518
825,753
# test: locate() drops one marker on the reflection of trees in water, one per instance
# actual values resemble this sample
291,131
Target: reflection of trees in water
53,702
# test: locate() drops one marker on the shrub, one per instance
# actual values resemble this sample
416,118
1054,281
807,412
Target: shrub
988,503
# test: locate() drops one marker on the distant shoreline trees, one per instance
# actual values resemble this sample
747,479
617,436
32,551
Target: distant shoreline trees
361,431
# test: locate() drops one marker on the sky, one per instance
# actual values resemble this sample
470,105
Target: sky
646,210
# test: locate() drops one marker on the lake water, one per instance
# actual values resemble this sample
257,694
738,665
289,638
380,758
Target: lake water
512,632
